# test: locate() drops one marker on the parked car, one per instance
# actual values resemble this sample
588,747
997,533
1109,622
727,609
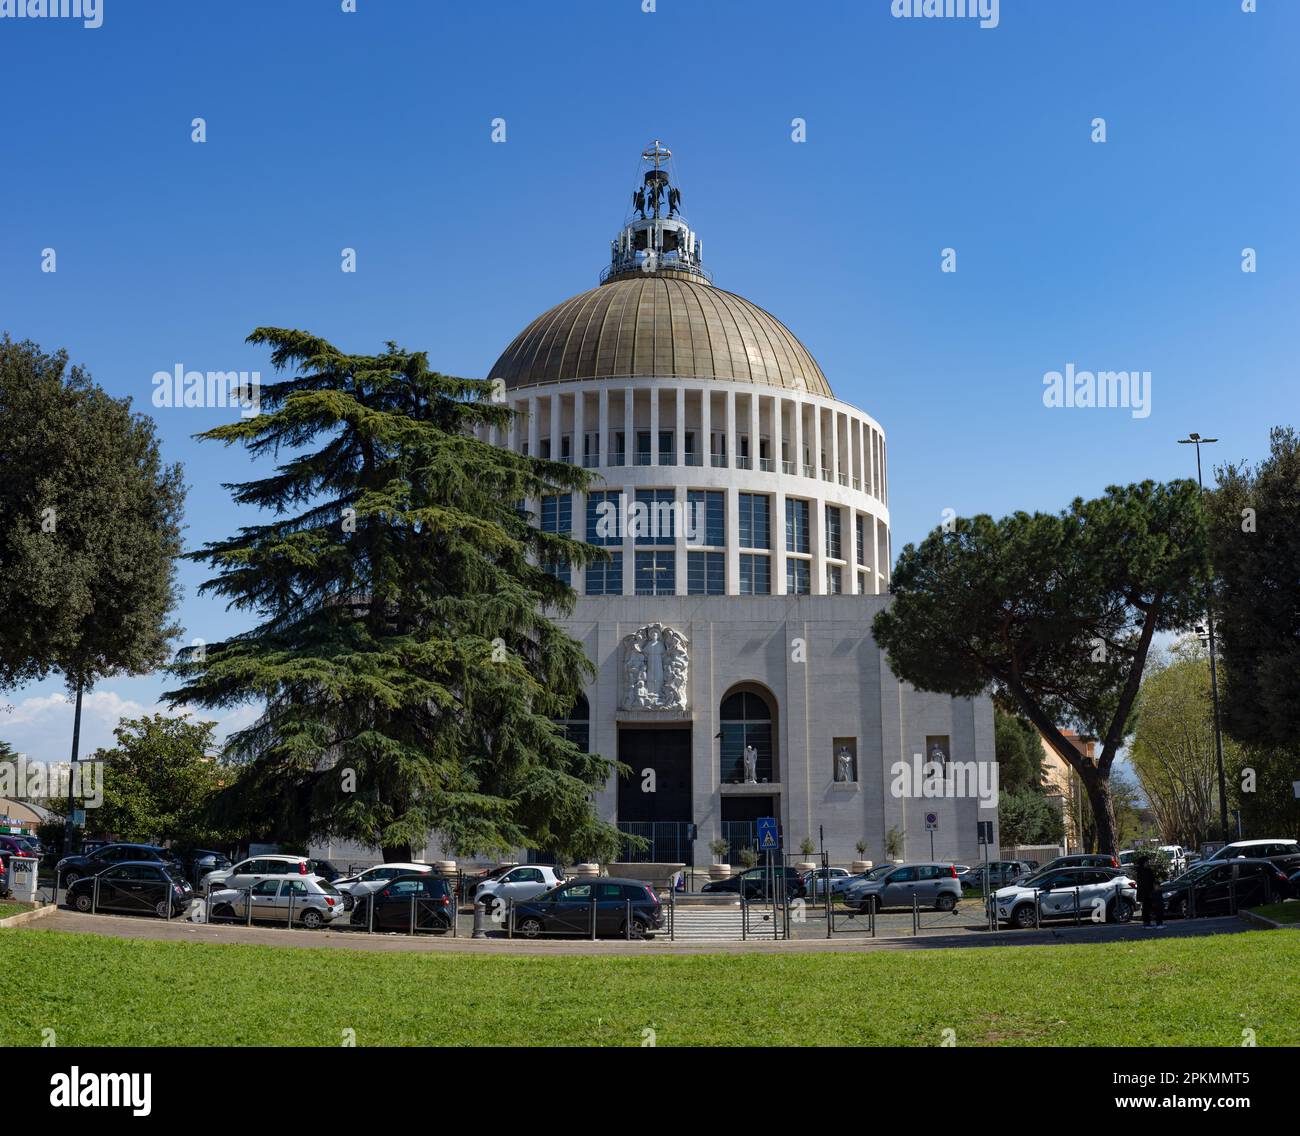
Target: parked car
16,846
34,845
523,881
821,880
1282,852
372,879
756,885
134,887
248,873
934,885
999,872
6,886
200,862
1061,891
325,869
1082,860
313,901
566,910
74,868
1211,886
425,895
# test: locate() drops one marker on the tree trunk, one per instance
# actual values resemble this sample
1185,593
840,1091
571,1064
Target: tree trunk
1103,812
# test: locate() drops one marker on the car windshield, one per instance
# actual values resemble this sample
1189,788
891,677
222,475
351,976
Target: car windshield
1197,871
327,887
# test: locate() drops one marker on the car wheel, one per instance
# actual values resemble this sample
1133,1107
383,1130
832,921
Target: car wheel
162,908
640,928
1023,916
945,903
530,928
312,919
70,879
1181,908
223,911
82,903
1121,911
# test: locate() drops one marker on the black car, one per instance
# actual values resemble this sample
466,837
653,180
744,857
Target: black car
322,868
757,883
1081,860
198,862
134,887
73,868
567,909
424,895
1284,853
1213,886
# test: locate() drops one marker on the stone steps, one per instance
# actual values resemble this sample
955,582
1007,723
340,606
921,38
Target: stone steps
697,924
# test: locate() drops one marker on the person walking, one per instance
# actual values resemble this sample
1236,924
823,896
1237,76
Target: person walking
1149,896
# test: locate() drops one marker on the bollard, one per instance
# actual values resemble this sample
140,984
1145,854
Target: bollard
593,913
412,931
1076,906
871,917
510,914
289,925
627,927
370,912
744,915
94,899
1038,915
672,914
480,917
248,903
916,915
455,918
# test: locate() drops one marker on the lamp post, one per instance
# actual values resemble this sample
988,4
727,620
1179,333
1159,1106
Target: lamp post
1196,440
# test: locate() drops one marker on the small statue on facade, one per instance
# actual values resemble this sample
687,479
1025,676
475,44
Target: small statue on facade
751,765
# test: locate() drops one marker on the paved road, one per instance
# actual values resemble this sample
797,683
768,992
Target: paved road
141,927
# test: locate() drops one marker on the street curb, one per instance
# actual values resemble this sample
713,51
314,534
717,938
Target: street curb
28,916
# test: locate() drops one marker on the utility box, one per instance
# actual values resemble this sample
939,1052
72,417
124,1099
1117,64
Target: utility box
22,877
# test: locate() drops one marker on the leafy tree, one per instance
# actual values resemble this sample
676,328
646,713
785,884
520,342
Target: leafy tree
1256,550
1019,751
1262,790
1173,752
1057,612
1026,816
405,652
90,521
159,781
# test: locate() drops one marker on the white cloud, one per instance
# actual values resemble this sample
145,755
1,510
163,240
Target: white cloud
41,724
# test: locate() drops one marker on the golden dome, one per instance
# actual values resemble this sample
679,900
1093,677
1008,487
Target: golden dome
660,325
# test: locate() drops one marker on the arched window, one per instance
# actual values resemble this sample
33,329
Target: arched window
576,725
746,719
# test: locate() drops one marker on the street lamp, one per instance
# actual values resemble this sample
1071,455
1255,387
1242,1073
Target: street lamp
1197,441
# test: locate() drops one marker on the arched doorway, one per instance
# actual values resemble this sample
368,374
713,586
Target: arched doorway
747,716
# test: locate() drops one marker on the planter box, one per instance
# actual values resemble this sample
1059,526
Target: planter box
586,870
860,866
720,872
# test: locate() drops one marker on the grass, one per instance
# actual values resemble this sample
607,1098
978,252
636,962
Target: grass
8,909
1279,912
96,990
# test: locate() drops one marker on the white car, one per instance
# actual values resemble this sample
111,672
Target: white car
372,879
520,883
251,872
312,901
1099,889
1177,858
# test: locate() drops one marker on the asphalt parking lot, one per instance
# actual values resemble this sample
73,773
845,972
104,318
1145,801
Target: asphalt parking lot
807,937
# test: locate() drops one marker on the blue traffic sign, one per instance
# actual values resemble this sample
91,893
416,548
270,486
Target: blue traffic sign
769,839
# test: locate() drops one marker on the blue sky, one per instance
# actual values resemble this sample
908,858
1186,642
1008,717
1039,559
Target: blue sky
371,130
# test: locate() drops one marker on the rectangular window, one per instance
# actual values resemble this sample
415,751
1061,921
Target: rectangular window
860,523
557,513
667,448
604,524
796,525
706,573
652,523
755,520
656,573
834,544
643,447
755,575
605,578
591,449
619,456
834,580
689,450
709,516
797,577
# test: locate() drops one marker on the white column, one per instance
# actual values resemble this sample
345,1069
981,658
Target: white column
579,427
679,540
835,446
753,429
817,543
706,425
654,425
629,427
680,427
778,431
732,504
731,429
778,543
797,407
817,441
603,426
629,548
556,402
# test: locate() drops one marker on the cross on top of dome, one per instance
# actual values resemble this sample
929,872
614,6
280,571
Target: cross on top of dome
655,240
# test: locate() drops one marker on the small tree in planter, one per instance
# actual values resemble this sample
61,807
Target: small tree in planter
893,844
806,849
748,858
720,870
861,864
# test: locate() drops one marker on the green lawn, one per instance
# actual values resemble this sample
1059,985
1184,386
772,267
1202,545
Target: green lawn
1280,912
95,990
8,909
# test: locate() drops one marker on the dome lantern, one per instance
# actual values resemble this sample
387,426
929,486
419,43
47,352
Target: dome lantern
655,239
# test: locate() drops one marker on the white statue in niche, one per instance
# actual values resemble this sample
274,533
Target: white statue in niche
844,765
751,765
656,668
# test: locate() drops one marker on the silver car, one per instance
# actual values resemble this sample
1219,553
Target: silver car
520,883
309,900
932,884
